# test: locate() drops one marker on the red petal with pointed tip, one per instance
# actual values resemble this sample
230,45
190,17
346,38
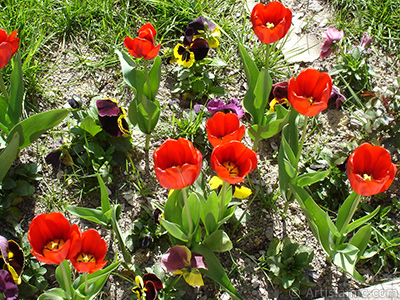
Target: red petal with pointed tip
222,128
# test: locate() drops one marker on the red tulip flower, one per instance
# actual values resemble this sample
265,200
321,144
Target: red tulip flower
310,91
271,21
144,45
232,161
53,239
222,128
177,163
370,170
8,46
90,257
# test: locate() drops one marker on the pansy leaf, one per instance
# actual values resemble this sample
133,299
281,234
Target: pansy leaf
89,125
216,270
32,128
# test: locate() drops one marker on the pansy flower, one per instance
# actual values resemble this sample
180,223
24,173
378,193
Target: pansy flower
187,55
222,128
331,36
12,258
9,44
336,96
239,192
147,287
143,46
53,239
309,92
177,164
232,161
202,28
278,95
180,260
366,41
7,286
370,170
112,117
271,21
233,106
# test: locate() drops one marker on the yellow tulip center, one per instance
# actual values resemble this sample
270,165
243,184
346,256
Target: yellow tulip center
232,168
367,177
270,25
86,257
53,245
311,100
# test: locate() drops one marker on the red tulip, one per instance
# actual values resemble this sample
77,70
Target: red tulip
177,163
370,170
144,45
233,161
310,91
222,128
8,46
271,21
90,257
53,239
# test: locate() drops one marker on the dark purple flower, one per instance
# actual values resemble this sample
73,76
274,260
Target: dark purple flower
331,35
232,106
11,258
366,41
75,101
112,117
7,286
196,27
147,287
337,96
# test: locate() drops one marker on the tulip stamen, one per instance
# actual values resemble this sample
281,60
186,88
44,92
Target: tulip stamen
232,168
311,100
53,245
270,25
367,177
86,257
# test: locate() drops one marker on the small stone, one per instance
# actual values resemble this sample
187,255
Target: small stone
315,6
254,293
255,285
225,296
203,297
323,23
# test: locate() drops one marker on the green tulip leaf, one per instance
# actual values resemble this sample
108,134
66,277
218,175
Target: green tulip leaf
64,281
310,178
16,91
175,230
154,79
8,155
90,214
54,294
218,241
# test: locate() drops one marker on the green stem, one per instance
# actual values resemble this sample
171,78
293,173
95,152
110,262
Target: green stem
255,145
351,213
303,136
186,203
146,74
86,283
267,51
65,277
147,145
223,195
3,88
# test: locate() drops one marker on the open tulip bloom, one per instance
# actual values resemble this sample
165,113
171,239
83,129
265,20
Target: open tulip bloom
180,260
112,117
53,239
143,46
309,92
90,257
222,128
370,170
12,258
177,164
147,287
232,161
271,21
9,44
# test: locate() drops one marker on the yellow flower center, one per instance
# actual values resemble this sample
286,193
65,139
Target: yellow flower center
232,168
367,177
86,257
270,25
310,100
53,245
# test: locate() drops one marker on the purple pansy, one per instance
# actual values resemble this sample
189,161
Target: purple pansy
337,96
366,41
112,117
331,35
7,286
233,106
12,258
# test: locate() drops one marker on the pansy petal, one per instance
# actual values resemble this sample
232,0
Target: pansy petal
193,278
176,258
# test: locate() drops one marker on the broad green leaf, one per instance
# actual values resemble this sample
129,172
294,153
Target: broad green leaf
54,294
290,170
345,257
346,211
32,128
89,125
250,68
361,239
194,208
218,241
362,221
173,208
174,229
261,91
227,215
16,91
105,200
310,178
95,280
145,115
215,270
3,108
209,214
8,155
64,279
316,217
154,78
91,214
116,209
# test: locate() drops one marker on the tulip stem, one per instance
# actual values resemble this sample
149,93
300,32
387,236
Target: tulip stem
3,88
186,203
255,145
303,136
66,280
267,51
86,283
146,147
146,74
223,195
